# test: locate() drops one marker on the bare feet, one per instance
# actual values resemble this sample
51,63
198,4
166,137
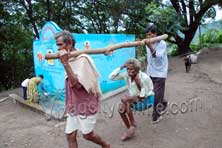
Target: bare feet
128,134
107,146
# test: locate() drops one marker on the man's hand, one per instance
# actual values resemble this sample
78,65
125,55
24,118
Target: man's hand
123,66
108,52
148,43
73,79
138,82
150,46
141,99
63,56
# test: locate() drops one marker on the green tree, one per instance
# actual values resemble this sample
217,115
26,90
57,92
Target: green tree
21,22
15,46
181,18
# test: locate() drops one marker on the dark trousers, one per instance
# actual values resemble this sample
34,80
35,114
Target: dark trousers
24,93
187,67
159,102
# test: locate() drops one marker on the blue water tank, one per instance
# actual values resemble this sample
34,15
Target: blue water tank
53,70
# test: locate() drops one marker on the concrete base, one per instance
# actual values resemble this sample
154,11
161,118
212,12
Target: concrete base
111,94
52,111
44,110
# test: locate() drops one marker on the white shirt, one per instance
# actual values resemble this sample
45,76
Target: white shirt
25,82
146,83
158,66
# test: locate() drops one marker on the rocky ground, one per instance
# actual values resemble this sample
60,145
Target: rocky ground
192,120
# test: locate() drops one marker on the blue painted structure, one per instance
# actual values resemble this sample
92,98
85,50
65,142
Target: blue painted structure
53,70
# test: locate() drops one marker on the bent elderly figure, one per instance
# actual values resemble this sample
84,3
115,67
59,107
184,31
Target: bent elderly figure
33,94
140,94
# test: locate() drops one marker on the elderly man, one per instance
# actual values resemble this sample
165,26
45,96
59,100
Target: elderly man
82,92
140,97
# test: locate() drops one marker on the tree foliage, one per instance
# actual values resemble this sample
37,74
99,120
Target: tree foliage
21,22
181,18
212,36
15,46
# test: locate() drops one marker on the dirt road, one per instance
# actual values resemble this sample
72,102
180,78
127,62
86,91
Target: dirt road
193,118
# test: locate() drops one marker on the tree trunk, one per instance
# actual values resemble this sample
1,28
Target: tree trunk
48,10
184,43
183,48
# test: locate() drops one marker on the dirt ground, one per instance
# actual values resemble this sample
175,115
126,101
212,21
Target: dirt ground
192,120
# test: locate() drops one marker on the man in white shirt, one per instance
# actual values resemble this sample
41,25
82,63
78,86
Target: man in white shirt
24,85
157,69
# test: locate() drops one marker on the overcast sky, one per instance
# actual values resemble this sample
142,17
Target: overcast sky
219,14
219,11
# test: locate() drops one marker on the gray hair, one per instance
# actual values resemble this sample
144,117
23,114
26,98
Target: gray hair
67,36
134,62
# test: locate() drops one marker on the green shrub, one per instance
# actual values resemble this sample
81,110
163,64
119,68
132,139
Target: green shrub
212,36
172,49
195,47
220,38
